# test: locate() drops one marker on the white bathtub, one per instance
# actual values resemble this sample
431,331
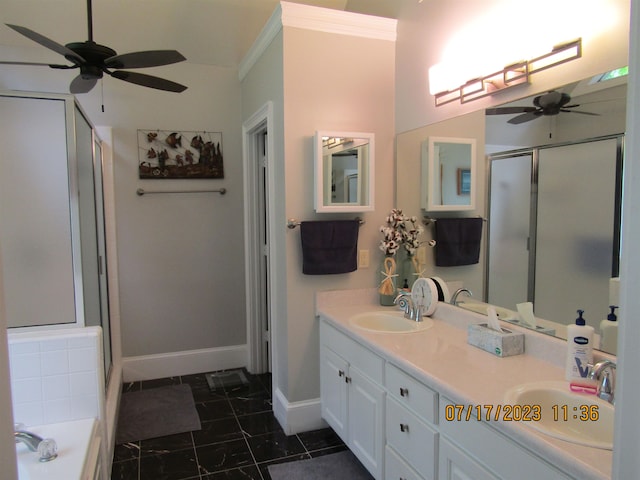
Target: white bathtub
78,452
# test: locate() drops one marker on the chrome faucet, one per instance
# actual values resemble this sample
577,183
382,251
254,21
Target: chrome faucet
46,448
454,297
411,311
602,372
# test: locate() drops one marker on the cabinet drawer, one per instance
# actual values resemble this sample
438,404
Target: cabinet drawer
413,439
411,393
395,468
495,450
366,361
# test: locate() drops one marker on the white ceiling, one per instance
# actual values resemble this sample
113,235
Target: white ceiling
212,32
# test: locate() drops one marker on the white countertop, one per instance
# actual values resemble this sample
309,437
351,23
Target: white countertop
441,358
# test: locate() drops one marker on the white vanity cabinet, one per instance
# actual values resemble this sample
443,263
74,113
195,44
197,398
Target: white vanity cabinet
397,425
352,396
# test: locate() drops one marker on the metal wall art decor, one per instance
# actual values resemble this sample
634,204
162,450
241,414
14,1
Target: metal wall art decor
172,154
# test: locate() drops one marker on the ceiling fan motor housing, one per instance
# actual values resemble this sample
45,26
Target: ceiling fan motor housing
94,54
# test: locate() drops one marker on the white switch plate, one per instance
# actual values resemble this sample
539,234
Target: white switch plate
363,258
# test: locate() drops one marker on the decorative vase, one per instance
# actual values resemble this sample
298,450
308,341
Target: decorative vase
408,269
387,286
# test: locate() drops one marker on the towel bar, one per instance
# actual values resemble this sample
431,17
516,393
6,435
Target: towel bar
141,191
293,223
428,220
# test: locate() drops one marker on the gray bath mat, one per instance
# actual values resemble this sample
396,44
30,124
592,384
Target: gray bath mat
156,412
226,379
337,466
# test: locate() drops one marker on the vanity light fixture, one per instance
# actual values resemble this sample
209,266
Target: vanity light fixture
332,142
511,75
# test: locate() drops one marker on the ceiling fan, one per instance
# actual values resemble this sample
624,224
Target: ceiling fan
550,103
94,60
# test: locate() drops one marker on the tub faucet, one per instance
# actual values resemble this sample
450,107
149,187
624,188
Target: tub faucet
603,373
411,311
454,297
45,447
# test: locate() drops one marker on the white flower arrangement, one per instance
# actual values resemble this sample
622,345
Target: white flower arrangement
400,231
410,234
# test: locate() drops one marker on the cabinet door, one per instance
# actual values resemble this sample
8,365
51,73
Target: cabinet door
366,421
455,465
395,468
333,390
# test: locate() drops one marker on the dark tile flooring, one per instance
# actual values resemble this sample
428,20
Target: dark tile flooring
239,439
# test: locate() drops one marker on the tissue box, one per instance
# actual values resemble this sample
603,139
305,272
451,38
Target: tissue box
503,344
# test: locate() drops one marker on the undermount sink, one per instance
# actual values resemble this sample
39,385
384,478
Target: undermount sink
579,418
389,322
477,307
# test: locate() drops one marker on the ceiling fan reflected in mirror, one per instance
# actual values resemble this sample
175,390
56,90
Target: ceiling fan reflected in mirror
548,104
94,60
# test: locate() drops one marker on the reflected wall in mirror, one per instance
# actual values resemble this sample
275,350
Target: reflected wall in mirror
344,168
605,102
448,174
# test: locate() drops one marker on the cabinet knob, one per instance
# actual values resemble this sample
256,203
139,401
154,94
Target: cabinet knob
404,427
347,379
341,373
404,392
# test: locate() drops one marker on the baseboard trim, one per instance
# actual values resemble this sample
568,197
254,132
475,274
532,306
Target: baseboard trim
296,417
148,367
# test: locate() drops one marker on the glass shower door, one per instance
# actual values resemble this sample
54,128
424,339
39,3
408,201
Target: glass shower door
509,230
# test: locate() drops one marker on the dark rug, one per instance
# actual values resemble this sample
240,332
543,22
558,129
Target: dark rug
337,466
156,412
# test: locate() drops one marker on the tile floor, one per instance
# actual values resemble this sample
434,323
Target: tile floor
239,438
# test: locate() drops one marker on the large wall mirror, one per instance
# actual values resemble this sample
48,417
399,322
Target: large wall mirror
553,178
448,174
344,169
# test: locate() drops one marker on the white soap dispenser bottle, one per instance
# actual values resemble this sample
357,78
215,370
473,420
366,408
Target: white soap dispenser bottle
609,332
579,350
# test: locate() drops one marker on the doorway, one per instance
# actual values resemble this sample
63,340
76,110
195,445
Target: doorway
258,188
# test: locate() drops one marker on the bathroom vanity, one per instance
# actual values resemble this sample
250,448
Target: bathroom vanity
406,404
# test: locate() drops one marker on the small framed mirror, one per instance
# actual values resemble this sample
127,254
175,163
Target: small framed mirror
448,174
344,170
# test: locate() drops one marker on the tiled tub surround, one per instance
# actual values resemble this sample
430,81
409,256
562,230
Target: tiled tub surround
56,375
441,359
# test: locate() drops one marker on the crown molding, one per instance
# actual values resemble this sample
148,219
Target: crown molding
287,14
265,37
338,21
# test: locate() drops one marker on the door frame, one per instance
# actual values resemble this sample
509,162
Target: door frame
252,129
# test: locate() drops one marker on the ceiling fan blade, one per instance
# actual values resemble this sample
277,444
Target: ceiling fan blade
82,85
37,64
150,58
148,81
508,110
50,44
525,117
578,111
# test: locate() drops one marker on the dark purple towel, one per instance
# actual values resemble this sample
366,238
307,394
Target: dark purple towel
329,247
458,241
